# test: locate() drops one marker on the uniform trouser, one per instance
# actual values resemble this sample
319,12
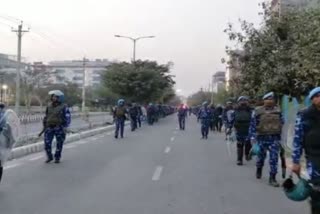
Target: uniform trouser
273,147
119,127
218,124
150,119
49,135
315,202
1,170
243,146
182,122
283,157
134,122
205,128
139,120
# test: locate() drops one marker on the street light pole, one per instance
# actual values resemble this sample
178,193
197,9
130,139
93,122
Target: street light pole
134,40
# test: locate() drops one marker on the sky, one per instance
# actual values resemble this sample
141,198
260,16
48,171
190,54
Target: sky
188,33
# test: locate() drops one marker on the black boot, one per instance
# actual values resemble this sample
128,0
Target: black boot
259,173
273,182
49,160
284,173
240,156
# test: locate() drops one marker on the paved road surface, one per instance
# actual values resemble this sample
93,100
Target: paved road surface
77,123
156,170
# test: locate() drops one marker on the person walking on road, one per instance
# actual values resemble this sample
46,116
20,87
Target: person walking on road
182,114
133,113
306,139
56,122
218,118
266,129
151,114
241,124
228,118
140,115
204,116
119,116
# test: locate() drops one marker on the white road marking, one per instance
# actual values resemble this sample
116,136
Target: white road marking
157,173
167,150
36,158
11,166
172,139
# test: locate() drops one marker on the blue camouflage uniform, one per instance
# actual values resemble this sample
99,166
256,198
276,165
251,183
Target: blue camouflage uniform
205,115
271,143
298,147
306,139
266,142
58,131
120,118
228,119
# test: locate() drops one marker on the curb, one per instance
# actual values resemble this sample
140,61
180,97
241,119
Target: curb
39,146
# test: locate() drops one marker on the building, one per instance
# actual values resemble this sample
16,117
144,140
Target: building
234,67
73,71
219,81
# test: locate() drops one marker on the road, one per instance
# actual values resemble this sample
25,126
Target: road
32,129
156,170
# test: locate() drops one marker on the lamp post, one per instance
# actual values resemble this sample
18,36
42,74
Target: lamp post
134,40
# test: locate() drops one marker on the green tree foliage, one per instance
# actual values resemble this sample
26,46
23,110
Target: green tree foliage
283,55
142,81
71,91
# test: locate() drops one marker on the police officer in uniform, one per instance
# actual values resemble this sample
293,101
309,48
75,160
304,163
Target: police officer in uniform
119,116
306,139
266,129
56,121
241,124
205,116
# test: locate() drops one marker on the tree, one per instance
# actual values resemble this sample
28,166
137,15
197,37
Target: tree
282,56
71,92
143,81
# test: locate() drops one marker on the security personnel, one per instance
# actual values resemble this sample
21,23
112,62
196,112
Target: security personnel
133,113
2,124
266,129
241,124
56,121
205,117
182,114
119,116
228,118
306,139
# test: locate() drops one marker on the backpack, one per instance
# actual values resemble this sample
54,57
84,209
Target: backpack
270,121
120,111
242,121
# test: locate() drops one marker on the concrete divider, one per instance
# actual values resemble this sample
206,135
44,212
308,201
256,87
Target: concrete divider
39,146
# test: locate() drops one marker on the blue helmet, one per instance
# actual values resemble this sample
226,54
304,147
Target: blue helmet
314,92
205,103
58,94
268,95
299,191
120,102
243,98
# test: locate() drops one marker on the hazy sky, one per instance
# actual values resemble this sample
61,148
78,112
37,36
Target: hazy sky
188,32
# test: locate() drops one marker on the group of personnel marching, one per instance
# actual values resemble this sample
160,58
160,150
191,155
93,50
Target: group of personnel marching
258,130
136,114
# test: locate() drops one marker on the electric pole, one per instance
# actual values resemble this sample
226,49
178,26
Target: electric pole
19,32
84,85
